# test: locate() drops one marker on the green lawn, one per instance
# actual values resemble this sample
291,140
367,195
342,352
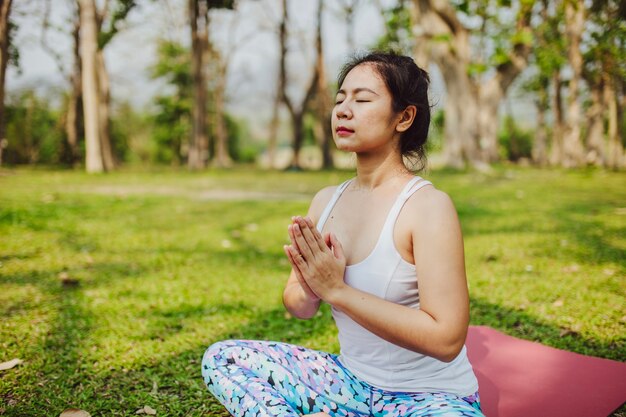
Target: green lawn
168,262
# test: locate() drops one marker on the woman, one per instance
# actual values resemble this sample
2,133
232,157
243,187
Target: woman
385,251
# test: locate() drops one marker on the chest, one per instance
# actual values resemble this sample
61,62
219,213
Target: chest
358,220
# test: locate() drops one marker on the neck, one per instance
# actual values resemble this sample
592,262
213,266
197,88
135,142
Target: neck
376,168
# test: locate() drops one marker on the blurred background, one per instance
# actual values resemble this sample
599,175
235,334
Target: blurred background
97,85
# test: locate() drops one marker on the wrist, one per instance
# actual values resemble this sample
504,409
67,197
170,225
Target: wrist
338,294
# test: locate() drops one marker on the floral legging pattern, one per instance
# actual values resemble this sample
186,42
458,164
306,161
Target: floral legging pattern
259,379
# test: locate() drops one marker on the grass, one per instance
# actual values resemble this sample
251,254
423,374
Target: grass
168,262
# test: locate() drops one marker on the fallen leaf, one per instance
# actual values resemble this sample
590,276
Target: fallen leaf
74,412
10,364
68,281
146,409
558,303
571,268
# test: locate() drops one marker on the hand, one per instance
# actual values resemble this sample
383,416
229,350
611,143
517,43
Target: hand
318,261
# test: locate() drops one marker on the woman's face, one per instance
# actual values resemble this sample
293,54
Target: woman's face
362,119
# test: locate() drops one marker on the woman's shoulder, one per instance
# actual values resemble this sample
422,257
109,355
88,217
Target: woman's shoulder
320,201
430,204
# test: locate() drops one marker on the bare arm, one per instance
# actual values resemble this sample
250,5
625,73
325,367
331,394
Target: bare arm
439,327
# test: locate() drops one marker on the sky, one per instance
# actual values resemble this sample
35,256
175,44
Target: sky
248,37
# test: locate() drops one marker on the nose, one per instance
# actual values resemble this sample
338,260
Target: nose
342,110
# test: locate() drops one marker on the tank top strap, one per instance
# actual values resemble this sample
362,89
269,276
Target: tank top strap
333,200
411,187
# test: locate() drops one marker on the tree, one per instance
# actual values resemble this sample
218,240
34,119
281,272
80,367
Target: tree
5,36
98,27
323,105
470,131
172,123
200,52
296,111
604,71
89,51
574,26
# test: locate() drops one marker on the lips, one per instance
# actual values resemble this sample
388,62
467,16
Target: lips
343,131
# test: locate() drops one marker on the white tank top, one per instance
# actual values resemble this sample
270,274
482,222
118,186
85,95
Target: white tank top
386,275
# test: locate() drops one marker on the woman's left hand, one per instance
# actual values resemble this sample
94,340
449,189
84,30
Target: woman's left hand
319,259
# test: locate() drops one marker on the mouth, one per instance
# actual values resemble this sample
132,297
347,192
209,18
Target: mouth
343,131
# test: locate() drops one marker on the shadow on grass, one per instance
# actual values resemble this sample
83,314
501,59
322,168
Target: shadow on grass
591,237
174,386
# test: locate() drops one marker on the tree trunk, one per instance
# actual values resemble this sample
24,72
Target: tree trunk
74,108
297,113
572,146
556,151
5,10
471,108
540,143
199,144
323,100
273,129
222,158
89,51
615,159
595,153
460,127
104,107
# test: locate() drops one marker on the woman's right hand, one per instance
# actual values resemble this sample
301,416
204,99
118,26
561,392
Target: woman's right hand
305,287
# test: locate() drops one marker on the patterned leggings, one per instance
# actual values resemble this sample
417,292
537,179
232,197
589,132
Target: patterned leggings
258,379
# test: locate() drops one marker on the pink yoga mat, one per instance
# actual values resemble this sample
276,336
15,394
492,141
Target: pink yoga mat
518,378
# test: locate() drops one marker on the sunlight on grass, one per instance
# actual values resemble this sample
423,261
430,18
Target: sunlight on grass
112,286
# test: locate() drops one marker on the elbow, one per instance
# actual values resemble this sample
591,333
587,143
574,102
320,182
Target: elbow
449,354
450,350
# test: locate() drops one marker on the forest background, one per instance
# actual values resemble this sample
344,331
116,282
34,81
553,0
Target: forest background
103,84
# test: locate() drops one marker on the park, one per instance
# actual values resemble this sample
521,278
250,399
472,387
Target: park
133,236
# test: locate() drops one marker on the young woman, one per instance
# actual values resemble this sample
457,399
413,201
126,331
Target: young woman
385,251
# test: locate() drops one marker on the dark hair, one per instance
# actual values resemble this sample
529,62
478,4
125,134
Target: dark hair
408,85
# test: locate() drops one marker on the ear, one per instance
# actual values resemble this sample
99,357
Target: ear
406,119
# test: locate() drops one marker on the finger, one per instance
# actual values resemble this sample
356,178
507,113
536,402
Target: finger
292,237
303,246
297,258
299,275
309,235
316,233
337,248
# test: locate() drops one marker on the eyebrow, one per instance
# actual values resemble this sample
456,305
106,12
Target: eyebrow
358,90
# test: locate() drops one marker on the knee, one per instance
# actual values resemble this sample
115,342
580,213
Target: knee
213,359
214,352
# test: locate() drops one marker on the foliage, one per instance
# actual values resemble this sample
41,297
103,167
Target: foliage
397,37
495,34
33,130
119,12
239,148
162,271
515,143
172,121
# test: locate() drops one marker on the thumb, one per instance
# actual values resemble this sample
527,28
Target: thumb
337,248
